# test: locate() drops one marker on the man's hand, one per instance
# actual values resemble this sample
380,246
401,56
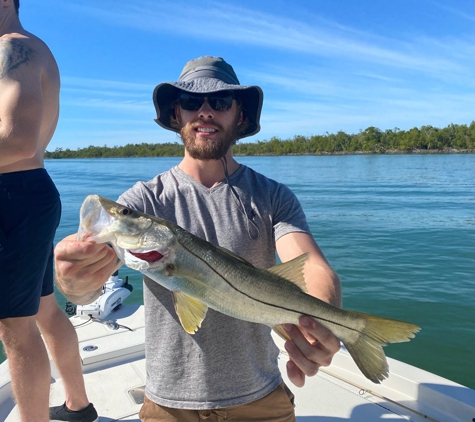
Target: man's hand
312,346
82,268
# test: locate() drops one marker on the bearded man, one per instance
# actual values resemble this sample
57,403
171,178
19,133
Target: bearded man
228,369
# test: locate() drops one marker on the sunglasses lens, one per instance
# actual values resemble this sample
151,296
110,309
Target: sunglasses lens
219,102
190,103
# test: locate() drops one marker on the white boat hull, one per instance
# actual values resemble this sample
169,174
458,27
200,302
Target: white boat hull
114,370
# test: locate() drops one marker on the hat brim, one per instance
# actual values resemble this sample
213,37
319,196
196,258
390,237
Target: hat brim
166,93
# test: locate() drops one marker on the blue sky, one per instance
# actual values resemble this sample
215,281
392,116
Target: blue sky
324,66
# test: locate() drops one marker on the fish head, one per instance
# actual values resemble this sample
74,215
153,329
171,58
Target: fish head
139,240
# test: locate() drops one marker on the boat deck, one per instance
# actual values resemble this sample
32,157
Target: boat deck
114,371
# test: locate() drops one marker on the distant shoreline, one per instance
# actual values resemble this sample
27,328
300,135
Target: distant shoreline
294,154
453,139
387,152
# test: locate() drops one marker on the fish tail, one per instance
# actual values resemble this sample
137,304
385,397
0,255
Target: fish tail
366,348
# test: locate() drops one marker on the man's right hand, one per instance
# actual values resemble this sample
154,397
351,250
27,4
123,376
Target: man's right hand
82,268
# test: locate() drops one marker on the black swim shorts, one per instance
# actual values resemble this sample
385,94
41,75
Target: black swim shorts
30,211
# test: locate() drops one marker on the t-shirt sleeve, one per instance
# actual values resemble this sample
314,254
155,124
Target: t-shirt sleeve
288,214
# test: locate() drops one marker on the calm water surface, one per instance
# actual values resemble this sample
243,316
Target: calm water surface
398,229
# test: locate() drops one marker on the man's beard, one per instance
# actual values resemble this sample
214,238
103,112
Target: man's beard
212,149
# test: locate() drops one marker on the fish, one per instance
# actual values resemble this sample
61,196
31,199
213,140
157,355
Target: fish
201,275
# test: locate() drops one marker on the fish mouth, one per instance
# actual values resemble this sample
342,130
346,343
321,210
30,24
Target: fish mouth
94,221
148,256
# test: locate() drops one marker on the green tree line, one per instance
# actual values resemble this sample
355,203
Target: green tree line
453,138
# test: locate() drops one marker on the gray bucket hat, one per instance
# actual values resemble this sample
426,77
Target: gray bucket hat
206,75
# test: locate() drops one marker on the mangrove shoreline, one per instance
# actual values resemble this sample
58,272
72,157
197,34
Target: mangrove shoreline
454,139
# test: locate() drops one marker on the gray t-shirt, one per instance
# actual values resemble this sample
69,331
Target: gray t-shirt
228,362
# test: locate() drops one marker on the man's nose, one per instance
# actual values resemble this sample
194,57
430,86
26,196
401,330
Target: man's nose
206,109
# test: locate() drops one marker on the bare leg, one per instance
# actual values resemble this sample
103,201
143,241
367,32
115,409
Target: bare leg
62,341
29,367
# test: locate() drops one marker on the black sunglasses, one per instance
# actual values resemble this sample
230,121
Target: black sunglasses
219,101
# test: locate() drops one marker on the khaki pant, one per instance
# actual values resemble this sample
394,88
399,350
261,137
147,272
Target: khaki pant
275,407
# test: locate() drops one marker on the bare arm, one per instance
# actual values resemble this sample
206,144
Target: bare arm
21,101
321,280
312,344
82,268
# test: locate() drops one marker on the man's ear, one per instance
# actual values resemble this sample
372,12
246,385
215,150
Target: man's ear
241,118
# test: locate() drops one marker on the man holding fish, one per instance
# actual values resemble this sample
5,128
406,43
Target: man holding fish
228,369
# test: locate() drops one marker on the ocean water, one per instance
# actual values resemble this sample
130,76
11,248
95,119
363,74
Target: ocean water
398,229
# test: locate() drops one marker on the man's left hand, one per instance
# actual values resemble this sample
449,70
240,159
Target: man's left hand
311,347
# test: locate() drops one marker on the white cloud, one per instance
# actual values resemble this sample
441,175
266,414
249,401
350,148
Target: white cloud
318,75
90,83
264,29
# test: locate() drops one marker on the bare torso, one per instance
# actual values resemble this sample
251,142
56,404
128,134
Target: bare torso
29,101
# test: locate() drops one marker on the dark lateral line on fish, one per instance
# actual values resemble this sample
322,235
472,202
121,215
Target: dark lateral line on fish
265,303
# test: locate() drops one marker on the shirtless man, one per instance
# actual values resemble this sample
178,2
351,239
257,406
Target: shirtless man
29,215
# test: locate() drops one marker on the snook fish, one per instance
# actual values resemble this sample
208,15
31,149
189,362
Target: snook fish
201,275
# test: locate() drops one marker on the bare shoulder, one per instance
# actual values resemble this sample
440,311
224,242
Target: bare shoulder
24,53
14,53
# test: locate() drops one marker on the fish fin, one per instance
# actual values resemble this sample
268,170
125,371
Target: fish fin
367,348
293,271
281,332
191,312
